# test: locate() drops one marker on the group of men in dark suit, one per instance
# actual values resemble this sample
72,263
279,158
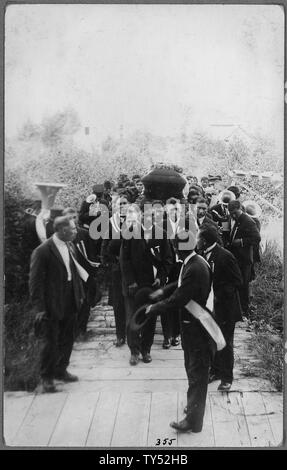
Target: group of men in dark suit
219,259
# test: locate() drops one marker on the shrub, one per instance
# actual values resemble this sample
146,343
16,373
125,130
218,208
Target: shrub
22,349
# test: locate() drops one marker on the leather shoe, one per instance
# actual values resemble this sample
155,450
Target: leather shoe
166,344
183,426
212,378
147,358
224,387
134,359
67,377
119,342
175,341
48,386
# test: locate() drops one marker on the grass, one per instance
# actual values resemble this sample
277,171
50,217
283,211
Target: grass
266,318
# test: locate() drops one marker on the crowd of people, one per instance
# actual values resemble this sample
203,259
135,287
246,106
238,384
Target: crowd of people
159,256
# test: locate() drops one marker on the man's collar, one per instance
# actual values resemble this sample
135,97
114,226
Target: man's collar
193,253
210,248
58,240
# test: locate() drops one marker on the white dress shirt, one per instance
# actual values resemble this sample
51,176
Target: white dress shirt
64,252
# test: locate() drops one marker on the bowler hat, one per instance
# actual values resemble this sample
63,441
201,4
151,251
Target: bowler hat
139,319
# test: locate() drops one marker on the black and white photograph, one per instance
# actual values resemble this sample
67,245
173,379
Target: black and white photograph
143,227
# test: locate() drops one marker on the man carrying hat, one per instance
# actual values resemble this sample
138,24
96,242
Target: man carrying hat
194,283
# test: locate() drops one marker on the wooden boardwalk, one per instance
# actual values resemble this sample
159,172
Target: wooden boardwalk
115,405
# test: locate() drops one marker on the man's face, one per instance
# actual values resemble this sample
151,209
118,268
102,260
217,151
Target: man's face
201,209
234,213
140,187
74,216
122,206
200,242
173,211
158,212
204,182
69,232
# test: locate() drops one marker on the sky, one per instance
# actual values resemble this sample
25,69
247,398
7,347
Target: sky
158,68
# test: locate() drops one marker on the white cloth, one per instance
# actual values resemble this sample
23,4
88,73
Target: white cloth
81,271
209,250
210,300
64,252
40,222
174,226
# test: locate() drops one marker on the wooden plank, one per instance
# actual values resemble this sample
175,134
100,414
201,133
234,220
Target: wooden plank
40,420
74,422
15,409
126,386
205,438
130,373
102,427
131,427
258,425
274,408
163,410
229,424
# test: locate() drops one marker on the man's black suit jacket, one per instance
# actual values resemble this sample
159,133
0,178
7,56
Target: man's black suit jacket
195,285
48,281
227,280
247,231
137,261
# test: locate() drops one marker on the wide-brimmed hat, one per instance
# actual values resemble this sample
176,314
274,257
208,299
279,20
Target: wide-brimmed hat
224,193
252,209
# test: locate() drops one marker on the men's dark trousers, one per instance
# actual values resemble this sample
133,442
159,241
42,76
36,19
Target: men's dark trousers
197,363
58,340
246,271
118,302
170,324
223,363
139,342
83,318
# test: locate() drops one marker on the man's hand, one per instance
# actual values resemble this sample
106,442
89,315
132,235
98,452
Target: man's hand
156,283
156,295
132,288
150,309
237,242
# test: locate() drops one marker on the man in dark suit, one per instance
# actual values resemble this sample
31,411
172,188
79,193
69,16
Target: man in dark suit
227,279
56,293
110,255
174,222
194,283
244,236
145,261
88,255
